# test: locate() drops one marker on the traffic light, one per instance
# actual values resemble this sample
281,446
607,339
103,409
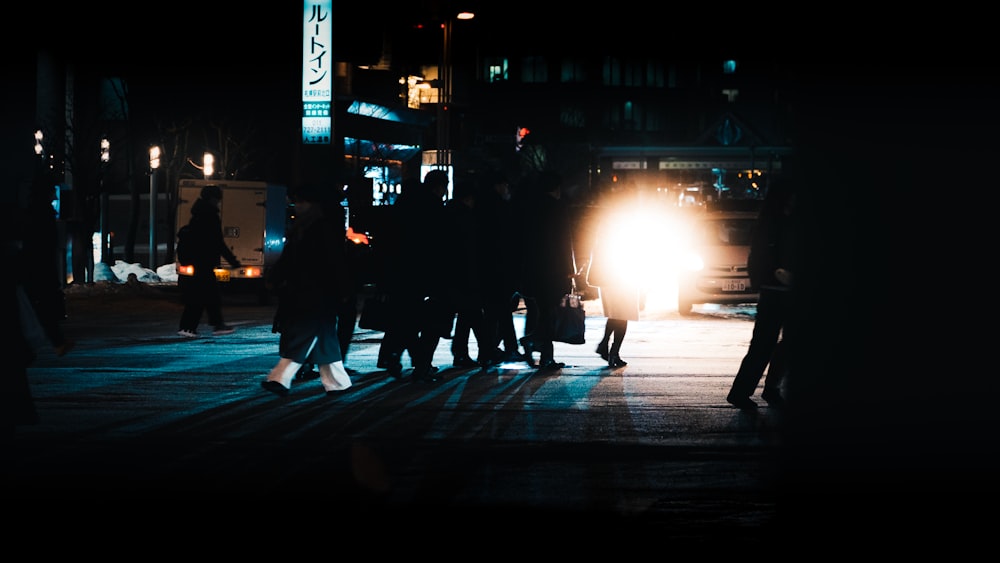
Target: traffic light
519,136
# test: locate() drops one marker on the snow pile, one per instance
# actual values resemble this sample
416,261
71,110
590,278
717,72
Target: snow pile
123,275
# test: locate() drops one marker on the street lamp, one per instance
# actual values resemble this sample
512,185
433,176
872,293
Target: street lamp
446,73
105,236
39,148
208,162
154,163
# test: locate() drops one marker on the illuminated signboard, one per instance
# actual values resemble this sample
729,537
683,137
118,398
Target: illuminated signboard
317,72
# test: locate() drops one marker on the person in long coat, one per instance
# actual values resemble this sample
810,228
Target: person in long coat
500,246
312,283
415,282
549,266
610,270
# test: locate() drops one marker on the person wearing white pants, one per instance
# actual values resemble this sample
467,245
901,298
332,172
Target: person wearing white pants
312,282
333,376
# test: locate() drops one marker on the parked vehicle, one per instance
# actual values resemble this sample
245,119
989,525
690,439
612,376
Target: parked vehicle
715,268
254,215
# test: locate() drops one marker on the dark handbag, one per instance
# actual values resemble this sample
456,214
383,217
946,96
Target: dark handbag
376,313
571,320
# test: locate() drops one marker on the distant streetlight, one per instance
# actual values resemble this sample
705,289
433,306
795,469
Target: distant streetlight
39,149
208,167
105,236
154,163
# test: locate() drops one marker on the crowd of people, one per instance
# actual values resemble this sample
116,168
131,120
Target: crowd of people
448,268
458,268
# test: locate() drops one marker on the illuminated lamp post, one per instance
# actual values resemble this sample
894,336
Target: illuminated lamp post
154,163
39,148
208,165
105,237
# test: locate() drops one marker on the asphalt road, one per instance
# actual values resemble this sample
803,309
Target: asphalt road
136,412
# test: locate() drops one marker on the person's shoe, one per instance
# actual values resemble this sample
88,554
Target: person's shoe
616,362
742,403
773,398
551,365
602,351
223,329
529,349
275,387
464,362
426,375
187,333
394,366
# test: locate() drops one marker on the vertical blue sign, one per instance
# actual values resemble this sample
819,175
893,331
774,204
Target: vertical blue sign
317,72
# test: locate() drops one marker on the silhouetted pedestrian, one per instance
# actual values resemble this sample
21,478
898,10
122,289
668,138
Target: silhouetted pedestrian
312,283
40,251
464,277
500,266
420,314
548,269
615,271
771,269
201,291
17,406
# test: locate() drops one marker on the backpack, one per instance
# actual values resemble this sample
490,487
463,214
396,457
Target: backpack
185,245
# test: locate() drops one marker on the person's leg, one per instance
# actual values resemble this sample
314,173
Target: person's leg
766,329
460,339
213,303
334,377
190,297
528,341
545,332
602,346
279,380
618,328
778,365
488,338
347,317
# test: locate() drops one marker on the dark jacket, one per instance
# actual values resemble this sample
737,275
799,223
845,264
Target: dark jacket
311,277
499,244
548,266
773,241
414,254
206,230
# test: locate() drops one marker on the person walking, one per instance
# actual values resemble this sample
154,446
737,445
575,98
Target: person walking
201,292
312,283
463,277
499,264
548,269
17,404
43,277
615,273
421,315
770,267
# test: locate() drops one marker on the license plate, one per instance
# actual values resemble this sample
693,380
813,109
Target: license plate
734,285
222,274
